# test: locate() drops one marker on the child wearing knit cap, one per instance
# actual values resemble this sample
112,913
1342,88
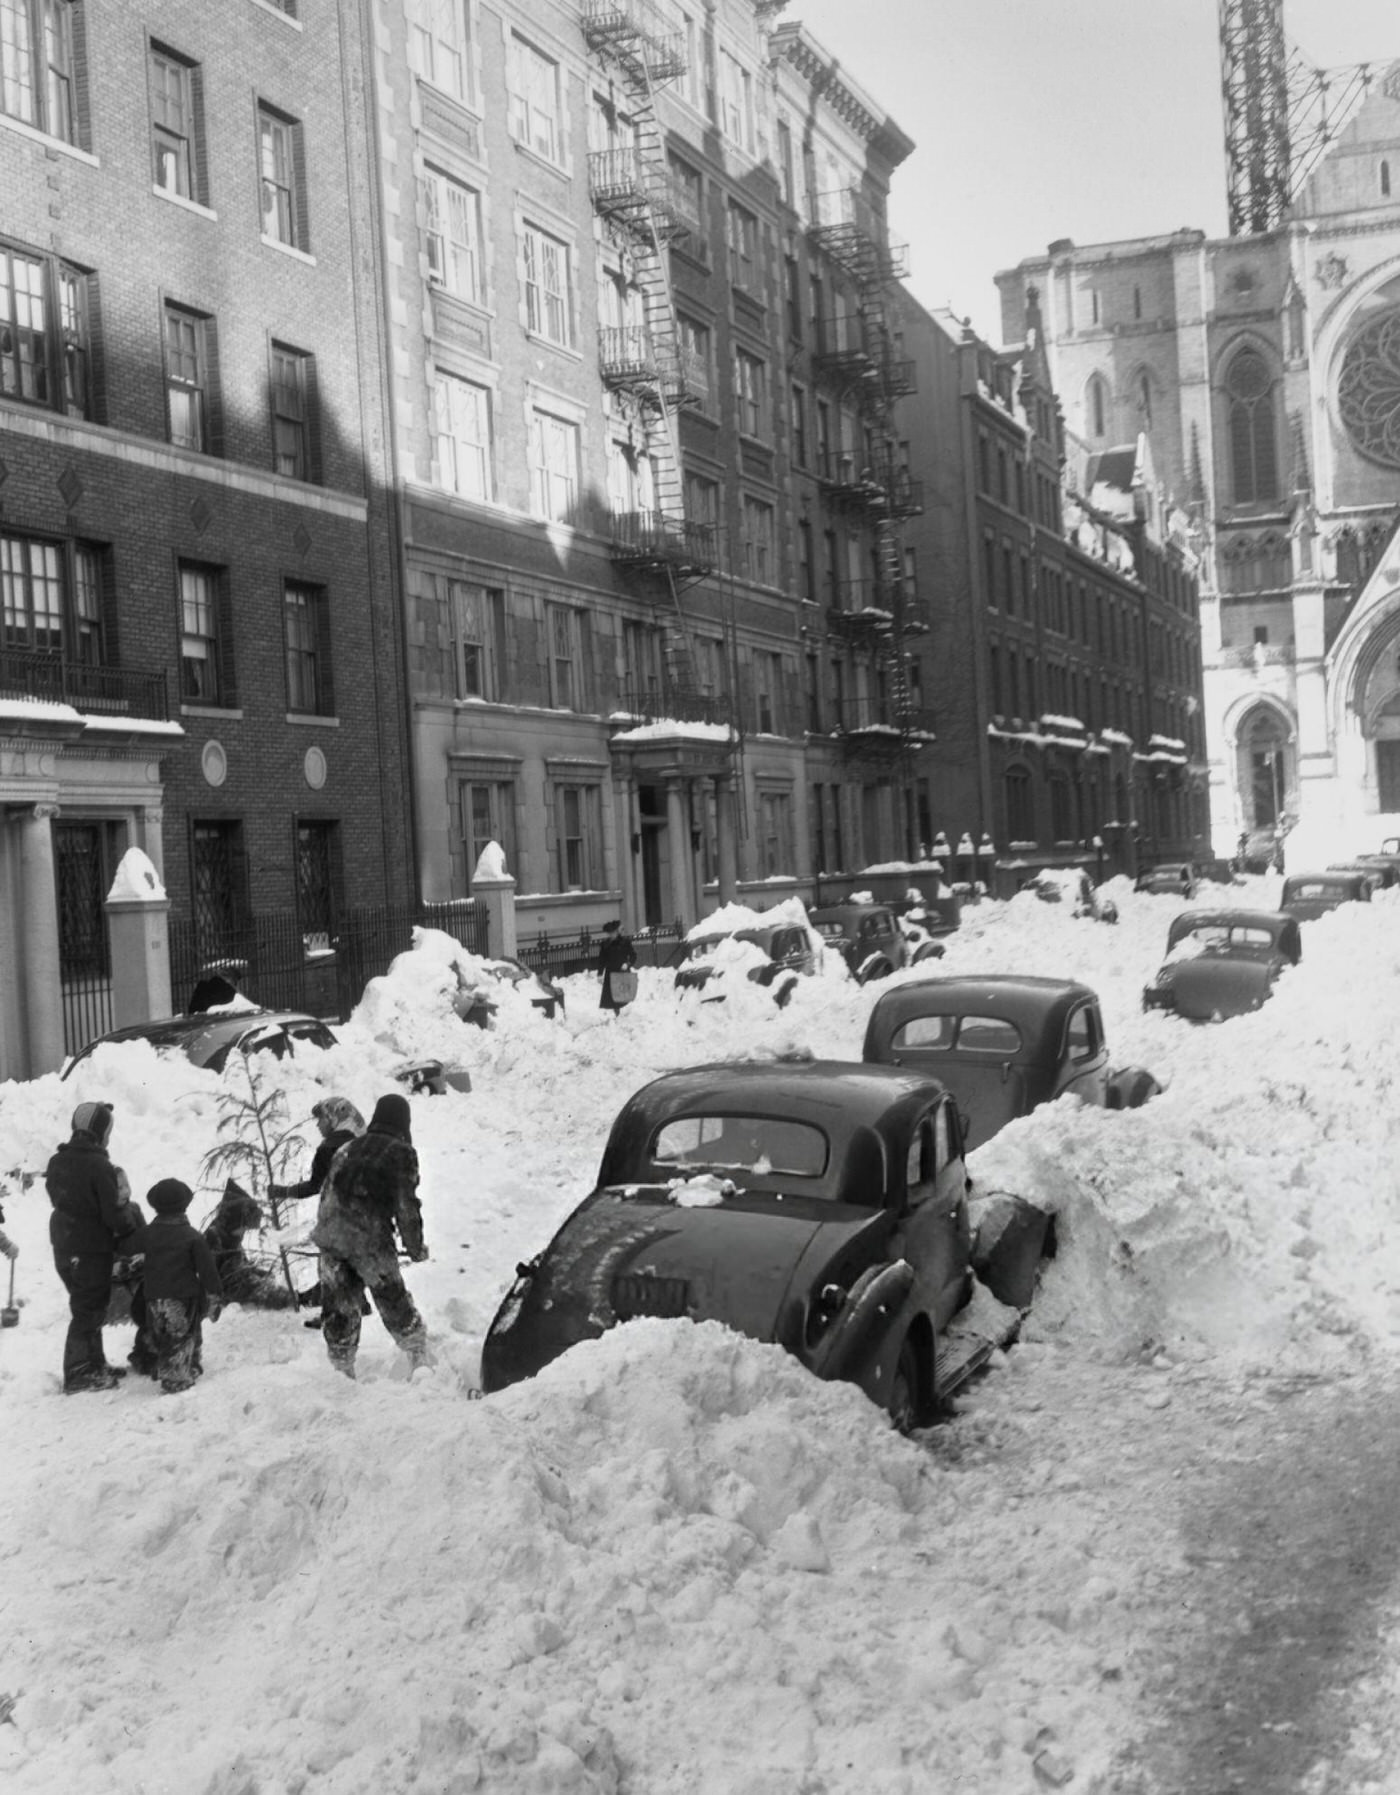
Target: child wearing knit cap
181,1286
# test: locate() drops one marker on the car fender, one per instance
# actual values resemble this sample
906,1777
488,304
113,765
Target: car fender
857,1332
1129,1087
877,966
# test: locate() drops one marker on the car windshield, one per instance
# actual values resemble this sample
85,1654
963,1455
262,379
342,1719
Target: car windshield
1221,935
831,928
969,1034
1317,888
761,1144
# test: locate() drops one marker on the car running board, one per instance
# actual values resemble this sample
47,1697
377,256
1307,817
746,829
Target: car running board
958,1358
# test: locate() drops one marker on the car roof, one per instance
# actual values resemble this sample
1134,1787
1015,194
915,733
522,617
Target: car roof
1020,998
798,1090
175,1031
839,912
1327,876
1225,917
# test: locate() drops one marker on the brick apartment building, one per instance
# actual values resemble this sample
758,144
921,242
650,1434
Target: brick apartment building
1065,663
201,643
645,438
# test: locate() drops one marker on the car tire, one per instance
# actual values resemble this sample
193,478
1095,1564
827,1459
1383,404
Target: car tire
929,950
908,1403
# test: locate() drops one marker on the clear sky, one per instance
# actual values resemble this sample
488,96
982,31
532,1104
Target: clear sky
1038,119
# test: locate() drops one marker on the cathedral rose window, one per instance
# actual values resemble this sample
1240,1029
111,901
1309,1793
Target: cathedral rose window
1368,394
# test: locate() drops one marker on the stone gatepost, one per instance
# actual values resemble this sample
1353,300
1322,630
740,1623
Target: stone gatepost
495,888
137,909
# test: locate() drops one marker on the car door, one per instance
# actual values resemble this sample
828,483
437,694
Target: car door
1083,1065
933,1233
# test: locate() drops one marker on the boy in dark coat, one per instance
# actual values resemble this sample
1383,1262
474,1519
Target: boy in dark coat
93,1221
181,1285
371,1190
615,955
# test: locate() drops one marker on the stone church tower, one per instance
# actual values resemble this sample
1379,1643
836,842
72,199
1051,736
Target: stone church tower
1265,372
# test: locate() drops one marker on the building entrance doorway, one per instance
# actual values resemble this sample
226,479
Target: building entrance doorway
652,819
83,863
1388,774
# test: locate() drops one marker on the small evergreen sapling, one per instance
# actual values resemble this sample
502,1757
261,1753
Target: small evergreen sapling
259,1144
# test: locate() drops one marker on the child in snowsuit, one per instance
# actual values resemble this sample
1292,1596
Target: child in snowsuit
181,1286
93,1221
372,1189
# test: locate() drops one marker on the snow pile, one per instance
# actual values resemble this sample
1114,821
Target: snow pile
419,1008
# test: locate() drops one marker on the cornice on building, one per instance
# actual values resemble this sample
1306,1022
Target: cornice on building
823,73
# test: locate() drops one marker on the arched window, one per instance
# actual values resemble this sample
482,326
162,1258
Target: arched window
1385,180
1144,399
1097,407
1253,439
1265,770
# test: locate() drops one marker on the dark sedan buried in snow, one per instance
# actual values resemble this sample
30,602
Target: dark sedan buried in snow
869,939
1003,1044
818,1205
1223,963
1310,895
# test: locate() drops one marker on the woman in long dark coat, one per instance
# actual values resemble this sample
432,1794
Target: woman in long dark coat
615,955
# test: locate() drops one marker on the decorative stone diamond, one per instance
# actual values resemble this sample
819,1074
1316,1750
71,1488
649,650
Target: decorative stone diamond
4,473
301,537
200,515
70,487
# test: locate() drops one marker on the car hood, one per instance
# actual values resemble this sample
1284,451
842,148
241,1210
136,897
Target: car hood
631,1250
1219,984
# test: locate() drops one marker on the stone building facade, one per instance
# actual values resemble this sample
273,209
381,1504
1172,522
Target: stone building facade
633,493
1065,665
199,653
1265,373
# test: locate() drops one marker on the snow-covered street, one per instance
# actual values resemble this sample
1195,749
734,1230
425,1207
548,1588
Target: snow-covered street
675,1563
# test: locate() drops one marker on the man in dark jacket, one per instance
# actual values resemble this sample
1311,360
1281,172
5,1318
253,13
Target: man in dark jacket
371,1190
93,1220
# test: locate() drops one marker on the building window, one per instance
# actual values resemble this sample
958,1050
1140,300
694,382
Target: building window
565,653
750,393
291,383
1250,409
554,446
177,137
534,101
578,829
1020,806
281,178
743,249
768,690
32,575
548,296
452,229
319,899
697,360
306,636
1385,180
44,332
688,199
798,426
700,500
758,546
478,628
736,102
787,168
218,886
488,814
437,45
806,565
774,833
1097,407
206,664
189,342
461,437
36,65
91,578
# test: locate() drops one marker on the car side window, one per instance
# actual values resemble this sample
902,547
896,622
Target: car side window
921,1165
925,1031
1084,1033
942,1138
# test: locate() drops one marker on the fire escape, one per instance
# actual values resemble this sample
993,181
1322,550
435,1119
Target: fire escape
857,356
643,362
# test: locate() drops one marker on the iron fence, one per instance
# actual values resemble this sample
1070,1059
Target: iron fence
274,961
579,953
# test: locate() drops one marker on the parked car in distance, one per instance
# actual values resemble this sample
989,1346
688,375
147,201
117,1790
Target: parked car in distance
1223,963
1310,895
1261,850
211,1037
1072,886
1391,845
1002,1044
1381,872
481,1007
869,939
1387,864
787,955
1176,878
818,1205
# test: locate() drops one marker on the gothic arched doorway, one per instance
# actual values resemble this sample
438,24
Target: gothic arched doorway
1266,774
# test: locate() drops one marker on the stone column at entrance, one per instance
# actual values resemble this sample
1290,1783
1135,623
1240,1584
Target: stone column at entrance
43,991
679,852
137,909
726,846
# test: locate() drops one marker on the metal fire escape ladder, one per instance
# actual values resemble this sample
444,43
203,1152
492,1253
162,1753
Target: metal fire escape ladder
625,33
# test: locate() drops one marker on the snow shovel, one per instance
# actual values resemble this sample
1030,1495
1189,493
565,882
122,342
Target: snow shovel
9,1315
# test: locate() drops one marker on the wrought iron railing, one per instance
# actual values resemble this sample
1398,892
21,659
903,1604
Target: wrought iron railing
31,673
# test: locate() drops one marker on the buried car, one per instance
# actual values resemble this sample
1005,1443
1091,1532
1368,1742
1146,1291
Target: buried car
209,1038
1176,878
1002,1044
784,951
869,939
1310,895
1071,886
819,1205
1223,963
